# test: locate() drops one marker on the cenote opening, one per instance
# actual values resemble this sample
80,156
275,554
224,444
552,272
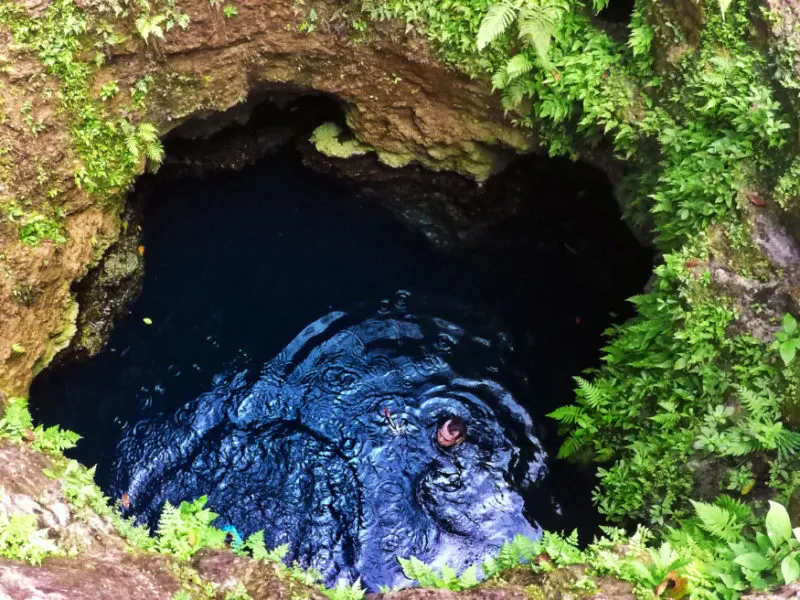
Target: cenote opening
320,370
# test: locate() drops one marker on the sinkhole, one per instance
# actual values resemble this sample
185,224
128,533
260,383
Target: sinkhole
309,354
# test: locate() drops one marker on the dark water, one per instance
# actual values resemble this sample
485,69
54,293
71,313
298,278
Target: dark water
288,319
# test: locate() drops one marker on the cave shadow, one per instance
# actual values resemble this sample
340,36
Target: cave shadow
238,262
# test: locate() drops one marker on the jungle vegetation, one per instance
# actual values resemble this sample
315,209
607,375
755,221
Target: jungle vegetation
681,395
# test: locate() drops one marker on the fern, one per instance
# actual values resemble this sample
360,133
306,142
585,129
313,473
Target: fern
758,406
538,22
21,539
590,392
571,445
184,530
342,591
569,414
787,443
444,578
723,7
16,419
518,65
719,522
498,19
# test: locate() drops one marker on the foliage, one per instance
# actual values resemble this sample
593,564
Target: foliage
342,591
16,424
157,18
109,90
238,593
108,159
788,340
706,397
21,539
37,228
680,397
184,530
445,578
718,553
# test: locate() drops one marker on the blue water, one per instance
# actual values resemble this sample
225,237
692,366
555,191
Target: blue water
290,315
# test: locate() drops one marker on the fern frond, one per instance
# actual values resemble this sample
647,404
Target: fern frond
518,65
514,93
155,152
538,21
498,19
787,442
757,405
568,414
132,145
718,521
741,511
570,446
590,392
500,79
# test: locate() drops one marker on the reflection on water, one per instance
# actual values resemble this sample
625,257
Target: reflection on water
214,397
334,450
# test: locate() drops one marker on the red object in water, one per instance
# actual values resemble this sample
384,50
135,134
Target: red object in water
451,432
125,500
387,414
755,199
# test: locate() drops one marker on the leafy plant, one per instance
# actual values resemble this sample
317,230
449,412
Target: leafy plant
537,22
184,530
109,90
788,340
16,424
21,539
342,591
719,552
37,228
444,578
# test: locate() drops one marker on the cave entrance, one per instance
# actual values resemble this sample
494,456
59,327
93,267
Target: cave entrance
378,334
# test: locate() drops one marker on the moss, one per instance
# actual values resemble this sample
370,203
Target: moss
330,140
59,340
395,160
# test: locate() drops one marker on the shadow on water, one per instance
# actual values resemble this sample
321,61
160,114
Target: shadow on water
239,264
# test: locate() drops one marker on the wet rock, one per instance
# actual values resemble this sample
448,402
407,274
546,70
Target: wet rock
108,289
761,276
786,592
262,580
567,583
97,577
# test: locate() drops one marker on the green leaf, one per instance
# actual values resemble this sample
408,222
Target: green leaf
788,350
717,521
469,577
779,526
518,65
147,321
723,7
753,561
498,19
789,323
790,569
